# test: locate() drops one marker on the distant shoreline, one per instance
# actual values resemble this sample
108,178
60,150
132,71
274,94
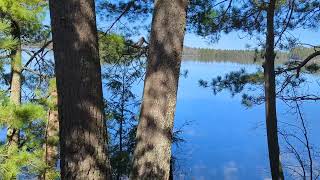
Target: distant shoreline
243,56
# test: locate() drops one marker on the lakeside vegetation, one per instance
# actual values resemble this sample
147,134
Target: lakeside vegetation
244,56
79,113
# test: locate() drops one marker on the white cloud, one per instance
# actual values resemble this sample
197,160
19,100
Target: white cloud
230,171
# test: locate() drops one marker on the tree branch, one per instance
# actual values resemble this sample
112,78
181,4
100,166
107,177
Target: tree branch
36,53
36,72
302,64
130,4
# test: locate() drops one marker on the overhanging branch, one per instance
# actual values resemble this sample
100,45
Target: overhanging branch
302,64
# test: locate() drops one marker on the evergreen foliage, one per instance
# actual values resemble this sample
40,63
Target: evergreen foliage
271,23
27,14
123,68
26,159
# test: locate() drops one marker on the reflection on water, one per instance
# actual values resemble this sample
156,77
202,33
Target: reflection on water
225,139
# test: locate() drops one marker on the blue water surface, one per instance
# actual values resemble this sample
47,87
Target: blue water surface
224,139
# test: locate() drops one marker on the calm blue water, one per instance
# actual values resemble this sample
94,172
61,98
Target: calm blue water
221,142
225,140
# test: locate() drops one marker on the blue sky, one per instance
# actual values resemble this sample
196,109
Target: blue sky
235,40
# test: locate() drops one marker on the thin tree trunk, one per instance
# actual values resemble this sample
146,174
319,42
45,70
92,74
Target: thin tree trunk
120,135
171,169
119,165
270,97
51,138
80,104
154,134
16,69
121,130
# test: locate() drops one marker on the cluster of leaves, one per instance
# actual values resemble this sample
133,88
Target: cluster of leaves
118,49
121,74
123,67
26,157
6,40
23,11
111,47
235,82
205,19
16,116
27,14
242,82
16,162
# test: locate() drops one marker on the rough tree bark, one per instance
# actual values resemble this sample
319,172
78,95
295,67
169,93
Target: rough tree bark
80,104
270,97
16,70
154,133
51,136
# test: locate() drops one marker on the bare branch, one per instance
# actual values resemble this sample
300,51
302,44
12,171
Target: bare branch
38,52
35,72
130,4
287,22
301,65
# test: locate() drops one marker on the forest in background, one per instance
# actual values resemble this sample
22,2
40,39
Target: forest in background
54,111
244,56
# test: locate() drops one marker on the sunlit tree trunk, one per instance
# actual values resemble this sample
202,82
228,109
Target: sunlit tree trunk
154,134
80,104
270,97
51,136
16,69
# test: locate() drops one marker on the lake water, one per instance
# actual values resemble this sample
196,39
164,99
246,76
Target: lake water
224,139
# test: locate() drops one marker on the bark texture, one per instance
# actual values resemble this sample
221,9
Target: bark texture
154,133
16,70
51,138
270,97
80,104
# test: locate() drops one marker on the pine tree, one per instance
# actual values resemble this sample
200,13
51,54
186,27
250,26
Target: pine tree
51,136
80,101
19,20
154,133
269,19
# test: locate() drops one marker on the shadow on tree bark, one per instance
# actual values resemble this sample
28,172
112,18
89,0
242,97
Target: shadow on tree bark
154,134
80,104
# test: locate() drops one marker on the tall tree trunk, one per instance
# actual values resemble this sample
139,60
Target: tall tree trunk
51,136
270,97
16,69
154,134
80,104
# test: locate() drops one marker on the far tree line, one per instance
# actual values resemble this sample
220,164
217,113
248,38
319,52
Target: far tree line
248,56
